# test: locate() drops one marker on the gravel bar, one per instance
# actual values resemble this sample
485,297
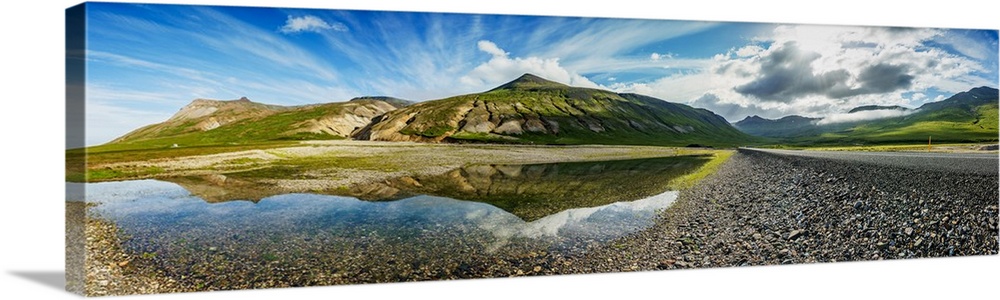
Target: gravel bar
766,209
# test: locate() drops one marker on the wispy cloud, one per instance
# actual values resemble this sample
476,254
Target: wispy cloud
657,56
964,42
163,56
231,35
864,116
310,23
610,38
131,62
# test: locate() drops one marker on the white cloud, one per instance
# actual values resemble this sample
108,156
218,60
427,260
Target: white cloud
502,68
731,111
491,48
818,71
853,48
749,50
863,116
658,56
676,88
310,23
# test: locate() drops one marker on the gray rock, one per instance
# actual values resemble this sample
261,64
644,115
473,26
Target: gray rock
795,234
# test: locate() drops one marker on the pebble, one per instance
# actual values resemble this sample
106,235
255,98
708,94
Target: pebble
795,233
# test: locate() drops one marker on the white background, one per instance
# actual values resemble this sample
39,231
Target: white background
32,110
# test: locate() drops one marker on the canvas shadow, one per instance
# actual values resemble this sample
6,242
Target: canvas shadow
53,279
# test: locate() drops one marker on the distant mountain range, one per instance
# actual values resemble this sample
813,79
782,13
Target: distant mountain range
533,110
969,116
529,110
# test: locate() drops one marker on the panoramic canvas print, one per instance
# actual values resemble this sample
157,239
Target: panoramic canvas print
224,147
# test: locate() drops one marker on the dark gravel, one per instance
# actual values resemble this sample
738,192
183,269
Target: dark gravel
766,209
977,163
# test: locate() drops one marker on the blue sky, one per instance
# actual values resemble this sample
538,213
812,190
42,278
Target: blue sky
146,61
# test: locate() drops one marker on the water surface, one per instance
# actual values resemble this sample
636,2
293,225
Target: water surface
474,221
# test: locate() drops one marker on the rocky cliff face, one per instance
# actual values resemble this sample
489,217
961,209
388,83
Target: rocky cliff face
347,120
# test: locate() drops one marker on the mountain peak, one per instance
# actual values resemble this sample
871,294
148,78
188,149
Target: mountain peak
971,98
529,81
203,101
528,77
754,119
201,107
984,89
983,92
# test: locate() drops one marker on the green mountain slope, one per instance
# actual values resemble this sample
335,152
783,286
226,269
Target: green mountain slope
965,117
213,122
531,109
969,116
202,115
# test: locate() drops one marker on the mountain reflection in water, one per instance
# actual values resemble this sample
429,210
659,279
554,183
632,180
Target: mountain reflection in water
530,191
452,225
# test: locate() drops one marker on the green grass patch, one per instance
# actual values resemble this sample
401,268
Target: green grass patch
273,172
106,174
82,162
269,256
432,132
299,167
306,136
893,148
243,161
710,167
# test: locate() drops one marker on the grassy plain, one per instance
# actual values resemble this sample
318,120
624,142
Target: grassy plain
950,148
312,166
